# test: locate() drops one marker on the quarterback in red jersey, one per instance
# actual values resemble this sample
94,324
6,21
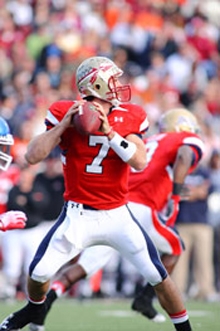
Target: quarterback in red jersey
170,156
89,156
96,169
12,219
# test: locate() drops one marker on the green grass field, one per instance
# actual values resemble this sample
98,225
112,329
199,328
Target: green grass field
115,315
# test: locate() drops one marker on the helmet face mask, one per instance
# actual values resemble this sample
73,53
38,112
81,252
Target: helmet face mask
179,120
118,93
6,140
98,77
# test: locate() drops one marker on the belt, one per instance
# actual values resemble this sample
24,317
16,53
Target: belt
82,206
88,207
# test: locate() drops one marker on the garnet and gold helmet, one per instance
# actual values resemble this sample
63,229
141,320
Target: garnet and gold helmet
97,76
177,120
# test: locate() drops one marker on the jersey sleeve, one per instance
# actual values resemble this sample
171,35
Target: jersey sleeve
197,147
56,112
135,122
142,120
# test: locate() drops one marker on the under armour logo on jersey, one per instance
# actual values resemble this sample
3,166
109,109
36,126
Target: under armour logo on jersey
118,119
75,205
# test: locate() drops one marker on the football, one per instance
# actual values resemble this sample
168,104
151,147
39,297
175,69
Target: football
87,120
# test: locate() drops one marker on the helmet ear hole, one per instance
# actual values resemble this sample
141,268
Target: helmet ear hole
97,86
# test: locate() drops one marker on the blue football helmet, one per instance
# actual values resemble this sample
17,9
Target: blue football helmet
6,140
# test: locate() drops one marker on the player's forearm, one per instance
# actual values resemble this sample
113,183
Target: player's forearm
130,149
182,164
41,146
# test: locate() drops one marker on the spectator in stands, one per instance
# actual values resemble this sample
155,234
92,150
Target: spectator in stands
214,209
197,234
51,178
18,247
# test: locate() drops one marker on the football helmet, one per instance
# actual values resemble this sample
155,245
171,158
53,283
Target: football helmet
6,140
177,120
97,76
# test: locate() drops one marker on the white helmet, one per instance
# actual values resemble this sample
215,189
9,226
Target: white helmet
177,120
6,140
97,76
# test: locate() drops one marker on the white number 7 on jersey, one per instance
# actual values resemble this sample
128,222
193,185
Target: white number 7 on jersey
95,167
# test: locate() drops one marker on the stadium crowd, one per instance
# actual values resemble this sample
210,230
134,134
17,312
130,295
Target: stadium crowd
170,54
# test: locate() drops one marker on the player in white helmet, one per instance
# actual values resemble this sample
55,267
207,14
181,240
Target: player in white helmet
11,219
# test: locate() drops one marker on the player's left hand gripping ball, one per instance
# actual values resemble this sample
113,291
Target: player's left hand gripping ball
87,120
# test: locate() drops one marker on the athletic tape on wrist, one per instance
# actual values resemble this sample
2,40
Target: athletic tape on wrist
124,148
177,188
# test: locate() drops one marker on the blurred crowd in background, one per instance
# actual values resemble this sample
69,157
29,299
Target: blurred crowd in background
169,51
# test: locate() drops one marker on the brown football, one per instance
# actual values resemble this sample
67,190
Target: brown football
87,120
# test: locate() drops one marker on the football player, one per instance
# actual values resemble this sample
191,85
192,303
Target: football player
155,192
12,219
96,169
154,196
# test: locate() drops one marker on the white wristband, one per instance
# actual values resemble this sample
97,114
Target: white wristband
124,148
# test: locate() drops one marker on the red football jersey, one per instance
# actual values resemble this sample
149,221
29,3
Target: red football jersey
153,185
94,174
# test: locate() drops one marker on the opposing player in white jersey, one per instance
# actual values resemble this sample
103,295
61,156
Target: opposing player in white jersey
171,155
12,219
